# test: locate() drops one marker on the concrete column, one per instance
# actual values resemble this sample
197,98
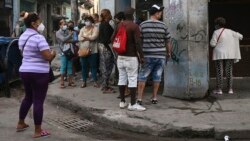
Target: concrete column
187,73
74,11
108,4
16,11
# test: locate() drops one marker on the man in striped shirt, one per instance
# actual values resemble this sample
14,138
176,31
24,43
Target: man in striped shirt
156,48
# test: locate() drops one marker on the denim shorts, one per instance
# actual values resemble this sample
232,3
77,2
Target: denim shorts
154,66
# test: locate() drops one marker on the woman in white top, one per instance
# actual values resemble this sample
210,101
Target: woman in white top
89,33
226,50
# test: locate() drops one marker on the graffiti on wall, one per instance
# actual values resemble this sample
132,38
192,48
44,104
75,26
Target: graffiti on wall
182,31
176,52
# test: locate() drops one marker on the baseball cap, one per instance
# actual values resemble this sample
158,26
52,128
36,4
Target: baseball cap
154,9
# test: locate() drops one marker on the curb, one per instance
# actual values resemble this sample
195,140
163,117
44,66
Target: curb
149,128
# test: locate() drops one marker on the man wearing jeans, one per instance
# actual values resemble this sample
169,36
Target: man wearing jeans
156,47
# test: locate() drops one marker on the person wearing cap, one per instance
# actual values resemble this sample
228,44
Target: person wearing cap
156,48
128,62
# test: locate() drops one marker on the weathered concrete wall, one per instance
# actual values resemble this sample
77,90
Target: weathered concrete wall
108,4
121,5
186,75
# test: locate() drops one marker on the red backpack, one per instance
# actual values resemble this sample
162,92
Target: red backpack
120,41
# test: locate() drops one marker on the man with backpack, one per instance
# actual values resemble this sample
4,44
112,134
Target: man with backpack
127,46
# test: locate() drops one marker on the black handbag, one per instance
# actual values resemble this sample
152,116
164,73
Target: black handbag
68,54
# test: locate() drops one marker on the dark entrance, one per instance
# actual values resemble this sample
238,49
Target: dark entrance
142,7
237,15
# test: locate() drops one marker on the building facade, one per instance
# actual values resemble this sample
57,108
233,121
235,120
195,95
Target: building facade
190,22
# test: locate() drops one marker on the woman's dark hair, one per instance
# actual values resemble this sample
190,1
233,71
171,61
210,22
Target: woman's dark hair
32,17
120,16
220,21
96,15
89,18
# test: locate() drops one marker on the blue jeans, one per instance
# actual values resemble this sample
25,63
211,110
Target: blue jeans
154,65
65,65
91,62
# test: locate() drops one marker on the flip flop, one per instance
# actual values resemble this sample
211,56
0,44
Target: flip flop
108,90
96,85
44,133
22,129
62,86
72,84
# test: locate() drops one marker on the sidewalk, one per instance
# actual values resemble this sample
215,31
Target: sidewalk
214,116
9,115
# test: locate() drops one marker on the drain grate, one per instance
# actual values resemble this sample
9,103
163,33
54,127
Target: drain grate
73,124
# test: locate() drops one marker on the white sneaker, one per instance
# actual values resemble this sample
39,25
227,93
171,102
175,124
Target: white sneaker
230,91
136,107
123,105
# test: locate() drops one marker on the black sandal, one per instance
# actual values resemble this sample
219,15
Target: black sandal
139,102
108,90
154,101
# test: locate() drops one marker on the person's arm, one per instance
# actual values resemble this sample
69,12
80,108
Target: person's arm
238,35
44,49
213,41
168,44
94,35
48,55
169,48
63,39
80,36
138,44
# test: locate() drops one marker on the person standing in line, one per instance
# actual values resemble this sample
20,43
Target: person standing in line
226,50
34,73
106,56
20,26
89,33
119,17
156,49
64,38
128,62
96,20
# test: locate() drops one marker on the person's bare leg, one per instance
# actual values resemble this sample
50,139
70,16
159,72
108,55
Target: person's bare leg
141,87
155,90
21,124
38,130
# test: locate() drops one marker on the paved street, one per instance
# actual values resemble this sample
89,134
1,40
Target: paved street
63,125
83,124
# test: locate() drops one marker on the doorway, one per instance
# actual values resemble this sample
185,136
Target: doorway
142,7
236,13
